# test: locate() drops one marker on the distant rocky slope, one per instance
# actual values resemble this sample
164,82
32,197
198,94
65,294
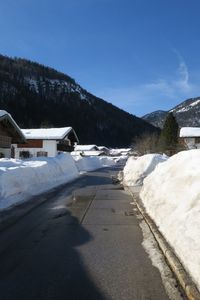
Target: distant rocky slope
38,96
156,118
187,113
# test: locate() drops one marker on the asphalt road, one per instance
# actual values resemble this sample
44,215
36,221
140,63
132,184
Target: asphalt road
83,243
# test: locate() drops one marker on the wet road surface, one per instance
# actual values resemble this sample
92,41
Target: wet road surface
84,242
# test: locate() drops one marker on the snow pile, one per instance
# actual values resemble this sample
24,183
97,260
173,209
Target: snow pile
93,162
171,195
107,161
120,159
20,179
136,169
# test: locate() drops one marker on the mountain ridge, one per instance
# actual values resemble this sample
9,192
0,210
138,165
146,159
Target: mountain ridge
187,114
39,96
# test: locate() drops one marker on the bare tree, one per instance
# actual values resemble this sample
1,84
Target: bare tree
147,143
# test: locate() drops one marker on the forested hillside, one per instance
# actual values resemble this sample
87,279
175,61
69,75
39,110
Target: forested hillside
38,96
187,114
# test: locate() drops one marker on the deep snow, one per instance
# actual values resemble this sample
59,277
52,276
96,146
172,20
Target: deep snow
20,179
92,163
137,168
171,196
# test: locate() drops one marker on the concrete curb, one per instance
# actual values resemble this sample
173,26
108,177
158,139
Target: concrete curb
182,276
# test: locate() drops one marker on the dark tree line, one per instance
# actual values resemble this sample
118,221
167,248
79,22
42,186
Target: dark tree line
39,96
165,142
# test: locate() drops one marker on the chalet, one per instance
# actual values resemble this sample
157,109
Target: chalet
9,133
121,152
190,136
104,149
87,150
46,142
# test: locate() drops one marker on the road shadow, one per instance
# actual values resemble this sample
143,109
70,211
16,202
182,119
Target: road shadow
94,178
46,264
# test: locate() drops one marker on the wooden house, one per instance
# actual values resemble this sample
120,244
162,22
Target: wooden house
190,137
10,133
87,150
104,149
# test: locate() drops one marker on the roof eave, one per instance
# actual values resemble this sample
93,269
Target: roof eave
11,120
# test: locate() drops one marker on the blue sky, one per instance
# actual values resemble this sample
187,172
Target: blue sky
141,55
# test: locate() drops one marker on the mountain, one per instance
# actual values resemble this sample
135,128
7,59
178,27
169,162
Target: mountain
156,118
39,96
187,113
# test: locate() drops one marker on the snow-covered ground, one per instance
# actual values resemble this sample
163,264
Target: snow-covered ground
93,162
151,247
20,179
171,196
137,168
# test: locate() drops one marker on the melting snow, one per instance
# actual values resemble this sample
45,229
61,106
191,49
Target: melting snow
171,196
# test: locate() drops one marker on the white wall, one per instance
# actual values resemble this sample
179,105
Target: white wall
49,146
190,142
6,152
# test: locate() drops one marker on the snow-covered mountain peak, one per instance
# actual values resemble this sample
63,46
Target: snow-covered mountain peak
187,113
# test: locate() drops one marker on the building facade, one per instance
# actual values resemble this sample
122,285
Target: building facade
190,137
46,142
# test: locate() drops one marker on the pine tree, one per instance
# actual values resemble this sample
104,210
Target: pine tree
169,134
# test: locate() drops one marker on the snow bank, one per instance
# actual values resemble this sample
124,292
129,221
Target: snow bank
93,162
120,159
171,195
107,161
20,179
136,169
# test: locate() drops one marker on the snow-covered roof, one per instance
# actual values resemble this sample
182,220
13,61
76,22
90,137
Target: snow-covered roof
5,115
93,153
3,112
47,133
102,148
85,147
190,132
120,151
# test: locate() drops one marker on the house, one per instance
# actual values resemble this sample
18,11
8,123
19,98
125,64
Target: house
46,142
121,152
9,133
104,149
87,150
190,136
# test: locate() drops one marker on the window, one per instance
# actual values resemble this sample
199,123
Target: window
5,141
197,140
24,154
42,153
